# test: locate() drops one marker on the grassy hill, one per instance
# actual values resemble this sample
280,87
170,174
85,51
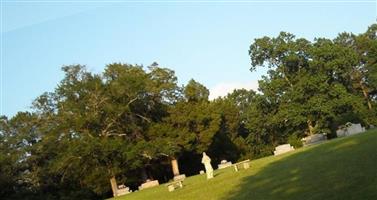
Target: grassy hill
344,168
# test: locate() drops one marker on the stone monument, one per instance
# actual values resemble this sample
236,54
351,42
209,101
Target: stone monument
149,184
180,177
314,139
224,164
349,129
122,190
207,165
284,148
118,190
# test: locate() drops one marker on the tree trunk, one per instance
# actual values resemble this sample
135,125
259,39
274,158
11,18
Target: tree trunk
366,95
114,186
174,165
310,127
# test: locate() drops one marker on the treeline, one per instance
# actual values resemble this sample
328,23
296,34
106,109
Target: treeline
132,122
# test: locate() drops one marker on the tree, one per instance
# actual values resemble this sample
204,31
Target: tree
99,122
130,123
195,92
309,85
189,127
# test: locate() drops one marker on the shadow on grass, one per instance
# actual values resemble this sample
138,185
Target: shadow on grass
341,169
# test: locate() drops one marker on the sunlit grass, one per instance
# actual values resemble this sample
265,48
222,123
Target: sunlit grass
344,168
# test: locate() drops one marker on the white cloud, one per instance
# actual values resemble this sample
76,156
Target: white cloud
222,89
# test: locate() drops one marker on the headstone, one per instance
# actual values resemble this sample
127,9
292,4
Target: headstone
201,172
349,129
179,177
207,165
314,139
122,190
246,165
284,148
341,132
371,126
118,190
176,184
355,129
149,184
171,188
224,164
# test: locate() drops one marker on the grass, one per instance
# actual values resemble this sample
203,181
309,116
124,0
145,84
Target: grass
344,168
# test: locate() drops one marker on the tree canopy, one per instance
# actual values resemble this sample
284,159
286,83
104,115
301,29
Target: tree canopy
131,121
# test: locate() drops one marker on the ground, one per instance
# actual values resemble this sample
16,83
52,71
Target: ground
343,168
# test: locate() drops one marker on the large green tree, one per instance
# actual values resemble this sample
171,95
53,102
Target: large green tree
130,123
312,87
99,122
189,127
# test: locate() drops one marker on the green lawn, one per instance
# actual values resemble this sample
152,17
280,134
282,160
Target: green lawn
344,168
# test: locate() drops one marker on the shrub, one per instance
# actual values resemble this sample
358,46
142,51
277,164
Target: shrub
295,141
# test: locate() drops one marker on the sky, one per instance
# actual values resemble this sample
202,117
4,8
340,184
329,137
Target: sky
204,40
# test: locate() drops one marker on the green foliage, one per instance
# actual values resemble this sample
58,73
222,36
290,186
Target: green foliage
196,92
338,169
295,141
130,121
310,84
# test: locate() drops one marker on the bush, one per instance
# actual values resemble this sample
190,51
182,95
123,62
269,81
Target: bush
295,141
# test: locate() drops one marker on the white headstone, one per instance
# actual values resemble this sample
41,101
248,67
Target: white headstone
171,188
350,129
223,165
314,139
149,184
179,177
284,148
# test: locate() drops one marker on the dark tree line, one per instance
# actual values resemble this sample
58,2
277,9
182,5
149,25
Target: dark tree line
134,123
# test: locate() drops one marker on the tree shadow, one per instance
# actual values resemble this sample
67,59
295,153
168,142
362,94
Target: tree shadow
342,169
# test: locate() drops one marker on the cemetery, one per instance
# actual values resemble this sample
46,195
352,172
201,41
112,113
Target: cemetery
151,100
283,173
179,180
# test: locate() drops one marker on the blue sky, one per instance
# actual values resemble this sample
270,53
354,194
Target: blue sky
207,41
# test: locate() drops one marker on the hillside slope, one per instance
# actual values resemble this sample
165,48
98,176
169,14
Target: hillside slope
344,168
